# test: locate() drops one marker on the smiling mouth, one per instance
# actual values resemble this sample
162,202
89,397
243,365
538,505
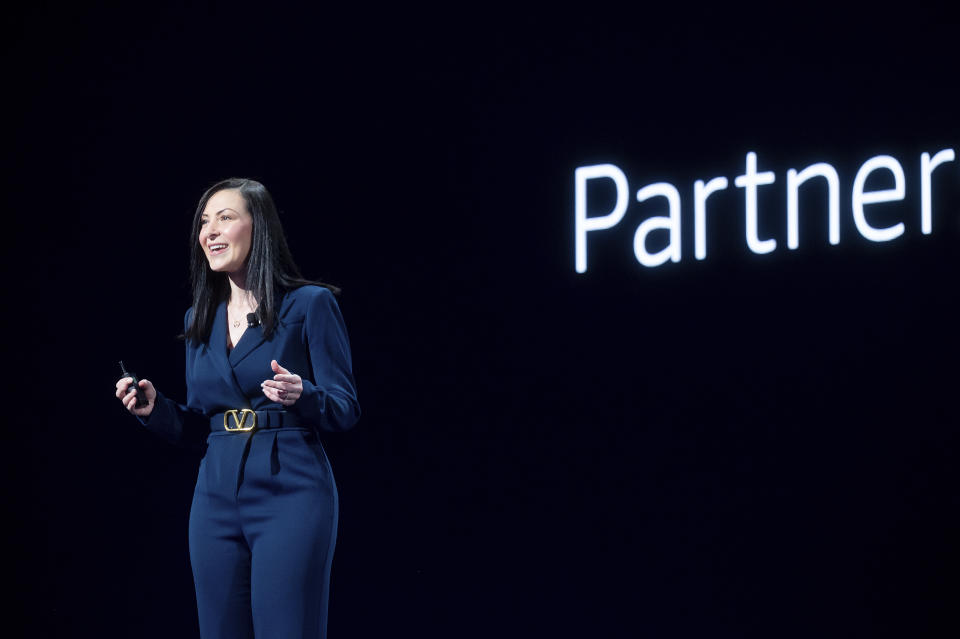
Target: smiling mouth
216,249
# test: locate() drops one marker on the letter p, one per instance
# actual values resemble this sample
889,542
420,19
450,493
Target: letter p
584,224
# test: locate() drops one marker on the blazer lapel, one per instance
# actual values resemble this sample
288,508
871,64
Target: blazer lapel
251,338
218,347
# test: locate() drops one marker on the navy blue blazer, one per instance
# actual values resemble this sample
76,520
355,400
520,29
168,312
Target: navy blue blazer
309,339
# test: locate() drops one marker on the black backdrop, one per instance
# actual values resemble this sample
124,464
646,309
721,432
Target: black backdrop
744,446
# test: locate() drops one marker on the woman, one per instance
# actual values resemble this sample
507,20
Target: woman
268,367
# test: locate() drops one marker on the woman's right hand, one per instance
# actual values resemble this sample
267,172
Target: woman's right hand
126,395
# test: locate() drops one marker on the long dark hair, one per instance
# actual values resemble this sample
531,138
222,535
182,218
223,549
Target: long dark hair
270,267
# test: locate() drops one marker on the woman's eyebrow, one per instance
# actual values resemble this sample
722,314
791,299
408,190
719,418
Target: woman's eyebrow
203,215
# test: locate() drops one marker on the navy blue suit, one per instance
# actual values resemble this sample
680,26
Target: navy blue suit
264,515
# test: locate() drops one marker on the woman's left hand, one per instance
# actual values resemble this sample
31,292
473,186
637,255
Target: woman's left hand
285,387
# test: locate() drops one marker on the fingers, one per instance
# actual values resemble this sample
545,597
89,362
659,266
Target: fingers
127,395
282,389
149,391
123,385
130,402
124,389
271,393
290,387
285,388
281,392
279,396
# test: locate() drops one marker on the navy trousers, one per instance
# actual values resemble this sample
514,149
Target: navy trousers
263,527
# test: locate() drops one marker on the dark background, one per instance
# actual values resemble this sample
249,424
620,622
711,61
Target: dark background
748,446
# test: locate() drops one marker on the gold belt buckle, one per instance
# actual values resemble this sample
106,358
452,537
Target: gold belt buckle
240,420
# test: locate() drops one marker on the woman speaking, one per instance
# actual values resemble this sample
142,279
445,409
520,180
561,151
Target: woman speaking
268,368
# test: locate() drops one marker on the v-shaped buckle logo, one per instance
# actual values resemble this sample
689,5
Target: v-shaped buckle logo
239,420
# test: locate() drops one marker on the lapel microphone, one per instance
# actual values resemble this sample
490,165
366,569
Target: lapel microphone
252,320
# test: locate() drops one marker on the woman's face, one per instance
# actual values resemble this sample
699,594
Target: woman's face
226,229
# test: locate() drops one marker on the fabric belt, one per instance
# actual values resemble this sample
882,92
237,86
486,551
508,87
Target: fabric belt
241,420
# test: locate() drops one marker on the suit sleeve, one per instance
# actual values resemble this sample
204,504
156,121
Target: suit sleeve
177,423
329,401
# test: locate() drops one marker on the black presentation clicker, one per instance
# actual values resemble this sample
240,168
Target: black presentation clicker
141,396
